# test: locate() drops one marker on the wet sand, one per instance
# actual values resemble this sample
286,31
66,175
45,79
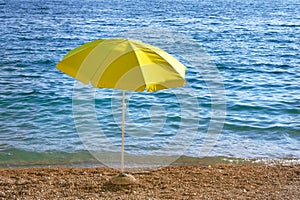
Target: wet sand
174,182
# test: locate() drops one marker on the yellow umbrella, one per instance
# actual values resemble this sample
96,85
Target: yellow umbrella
123,64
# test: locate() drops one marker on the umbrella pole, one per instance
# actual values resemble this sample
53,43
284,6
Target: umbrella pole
122,178
123,129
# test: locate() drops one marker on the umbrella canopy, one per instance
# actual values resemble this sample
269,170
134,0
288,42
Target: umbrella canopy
123,64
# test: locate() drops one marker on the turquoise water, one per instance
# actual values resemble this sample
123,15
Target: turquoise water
253,44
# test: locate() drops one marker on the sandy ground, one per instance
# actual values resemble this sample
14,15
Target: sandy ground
174,182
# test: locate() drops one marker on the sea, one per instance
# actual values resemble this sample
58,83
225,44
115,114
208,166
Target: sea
240,104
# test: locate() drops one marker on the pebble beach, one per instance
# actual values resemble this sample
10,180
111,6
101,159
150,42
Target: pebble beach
173,182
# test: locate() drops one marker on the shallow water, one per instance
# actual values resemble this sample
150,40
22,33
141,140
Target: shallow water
254,46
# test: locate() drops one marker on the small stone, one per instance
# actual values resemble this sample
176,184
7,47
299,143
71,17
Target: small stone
123,179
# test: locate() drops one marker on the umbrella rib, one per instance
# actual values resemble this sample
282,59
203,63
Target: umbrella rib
106,57
139,63
157,53
82,48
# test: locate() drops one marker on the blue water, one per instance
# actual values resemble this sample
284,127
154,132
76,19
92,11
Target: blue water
254,45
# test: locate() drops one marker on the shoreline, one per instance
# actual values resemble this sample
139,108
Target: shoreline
88,161
173,182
